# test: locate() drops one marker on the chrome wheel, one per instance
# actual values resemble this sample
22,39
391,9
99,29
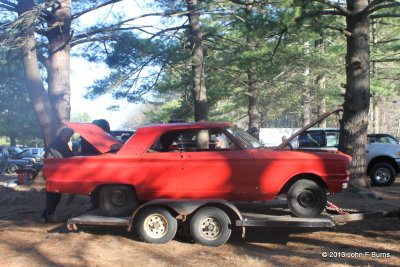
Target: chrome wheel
382,175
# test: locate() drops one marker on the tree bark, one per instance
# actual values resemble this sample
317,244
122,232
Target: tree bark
45,112
59,45
321,82
252,90
306,96
354,122
199,90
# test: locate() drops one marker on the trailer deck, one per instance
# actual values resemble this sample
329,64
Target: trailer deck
249,220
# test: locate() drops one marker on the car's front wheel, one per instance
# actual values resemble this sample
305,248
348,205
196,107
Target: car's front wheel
382,174
306,198
117,200
12,168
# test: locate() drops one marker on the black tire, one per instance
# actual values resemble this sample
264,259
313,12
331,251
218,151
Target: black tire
117,200
210,226
156,225
382,174
306,198
12,168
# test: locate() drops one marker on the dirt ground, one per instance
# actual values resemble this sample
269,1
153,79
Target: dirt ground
24,240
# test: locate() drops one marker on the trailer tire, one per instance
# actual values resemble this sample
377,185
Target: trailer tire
382,174
210,226
306,198
156,225
117,200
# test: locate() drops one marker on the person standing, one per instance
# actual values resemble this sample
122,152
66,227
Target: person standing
88,149
58,148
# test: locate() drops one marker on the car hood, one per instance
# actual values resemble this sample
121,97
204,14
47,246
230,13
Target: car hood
97,137
308,126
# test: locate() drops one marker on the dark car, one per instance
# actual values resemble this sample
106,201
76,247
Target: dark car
18,153
382,138
16,164
123,135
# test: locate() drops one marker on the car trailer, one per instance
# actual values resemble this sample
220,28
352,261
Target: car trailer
209,220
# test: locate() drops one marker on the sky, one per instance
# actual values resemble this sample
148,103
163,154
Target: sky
83,73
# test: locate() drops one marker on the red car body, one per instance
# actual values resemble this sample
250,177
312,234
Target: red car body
242,173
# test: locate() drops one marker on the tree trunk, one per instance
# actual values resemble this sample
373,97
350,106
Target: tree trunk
306,97
59,67
199,90
354,123
13,140
321,82
252,90
45,113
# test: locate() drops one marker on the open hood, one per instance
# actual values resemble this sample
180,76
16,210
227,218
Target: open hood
97,137
308,126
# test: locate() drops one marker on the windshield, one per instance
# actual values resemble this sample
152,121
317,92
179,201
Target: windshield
18,150
245,139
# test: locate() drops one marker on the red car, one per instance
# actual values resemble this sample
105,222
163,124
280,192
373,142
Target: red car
195,161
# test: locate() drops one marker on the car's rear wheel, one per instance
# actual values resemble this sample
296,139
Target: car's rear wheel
382,174
117,200
306,198
210,226
156,225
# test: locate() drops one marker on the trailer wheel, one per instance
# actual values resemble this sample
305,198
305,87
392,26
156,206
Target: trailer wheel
117,200
306,198
382,174
210,226
156,225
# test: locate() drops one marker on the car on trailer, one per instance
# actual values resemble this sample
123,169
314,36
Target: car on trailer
184,163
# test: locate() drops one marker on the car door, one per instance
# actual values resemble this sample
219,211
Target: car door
224,173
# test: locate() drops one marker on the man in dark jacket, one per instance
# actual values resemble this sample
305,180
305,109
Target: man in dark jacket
58,148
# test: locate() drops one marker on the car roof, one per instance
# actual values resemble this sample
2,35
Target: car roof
194,125
146,135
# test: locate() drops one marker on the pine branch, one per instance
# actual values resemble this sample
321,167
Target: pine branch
386,60
342,10
8,3
94,8
379,7
9,8
377,16
183,26
372,4
344,31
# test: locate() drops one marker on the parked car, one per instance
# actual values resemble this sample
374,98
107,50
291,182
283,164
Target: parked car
18,153
123,135
14,165
382,158
183,161
36,151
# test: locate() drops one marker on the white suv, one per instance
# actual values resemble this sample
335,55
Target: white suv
383,159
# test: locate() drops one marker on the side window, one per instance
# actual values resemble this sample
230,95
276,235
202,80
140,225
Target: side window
332,139
193,140
311,139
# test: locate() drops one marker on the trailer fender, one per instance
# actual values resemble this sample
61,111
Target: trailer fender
184,207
